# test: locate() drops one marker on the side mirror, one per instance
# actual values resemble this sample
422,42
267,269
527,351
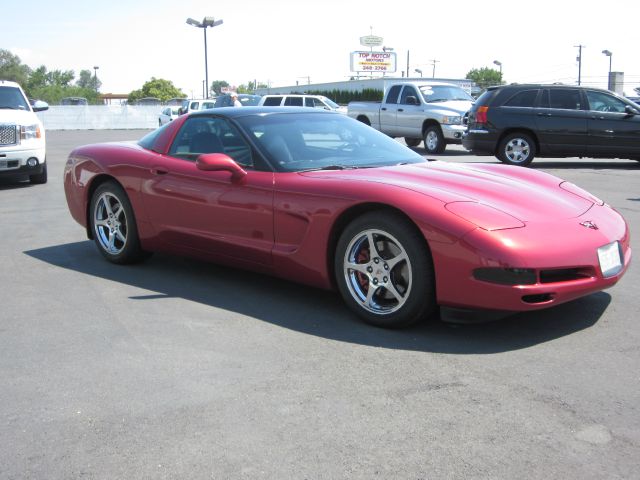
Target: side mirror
39,106
216,162
411,100
629,110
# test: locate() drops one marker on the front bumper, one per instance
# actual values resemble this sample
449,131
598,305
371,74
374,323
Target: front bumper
453,133
570,247
21,161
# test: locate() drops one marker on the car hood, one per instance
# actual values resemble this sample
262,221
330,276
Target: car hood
456,107
526,194
19,117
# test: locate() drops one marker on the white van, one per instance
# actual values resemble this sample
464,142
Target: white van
299,100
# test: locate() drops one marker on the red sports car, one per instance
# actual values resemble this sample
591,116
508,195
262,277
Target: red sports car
319,198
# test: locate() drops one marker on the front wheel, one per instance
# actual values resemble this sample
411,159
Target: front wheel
39,178
517,149
434,141
113,225
384,271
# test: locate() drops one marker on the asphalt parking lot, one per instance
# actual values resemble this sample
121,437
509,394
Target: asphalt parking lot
177,369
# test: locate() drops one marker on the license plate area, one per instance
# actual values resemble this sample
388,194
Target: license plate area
610,259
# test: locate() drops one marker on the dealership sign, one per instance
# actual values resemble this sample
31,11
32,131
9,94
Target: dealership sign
370,41
383,62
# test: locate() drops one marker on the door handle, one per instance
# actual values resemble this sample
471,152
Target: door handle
597,118
159,171
544,114
383,108
401,109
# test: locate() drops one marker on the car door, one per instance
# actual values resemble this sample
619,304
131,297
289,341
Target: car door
614,130
410,115
561,118
210,211
389,110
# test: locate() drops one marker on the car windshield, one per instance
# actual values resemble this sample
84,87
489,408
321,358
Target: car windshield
443,93
11,98
315,141
331,103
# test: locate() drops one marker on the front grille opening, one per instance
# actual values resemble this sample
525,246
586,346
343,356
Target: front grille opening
506,276
564,275
539,298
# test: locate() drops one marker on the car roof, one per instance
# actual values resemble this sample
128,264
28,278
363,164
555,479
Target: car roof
233,112
9,83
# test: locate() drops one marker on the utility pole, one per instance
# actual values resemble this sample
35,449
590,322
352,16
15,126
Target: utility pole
433,62
579,59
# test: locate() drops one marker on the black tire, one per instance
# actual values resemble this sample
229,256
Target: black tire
364,120
434,141
400,268
113,225
517,149
412,142
39,178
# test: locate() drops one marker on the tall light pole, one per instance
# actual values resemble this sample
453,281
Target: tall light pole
579,59
95,77
609,54
206,22
433,62
499,64
417,70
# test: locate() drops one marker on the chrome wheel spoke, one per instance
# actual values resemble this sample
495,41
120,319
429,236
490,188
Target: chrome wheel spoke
392,262
358,267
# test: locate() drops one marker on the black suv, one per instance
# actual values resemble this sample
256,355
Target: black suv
518,122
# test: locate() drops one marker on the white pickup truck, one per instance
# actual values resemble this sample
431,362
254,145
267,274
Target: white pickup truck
429,111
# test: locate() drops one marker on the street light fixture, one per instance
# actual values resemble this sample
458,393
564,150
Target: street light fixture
417,70
499,64
206,22
610,55
95,77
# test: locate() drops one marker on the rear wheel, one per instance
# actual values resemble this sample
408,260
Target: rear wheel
41,177
517,149
384,270
114,226
434,141
412,142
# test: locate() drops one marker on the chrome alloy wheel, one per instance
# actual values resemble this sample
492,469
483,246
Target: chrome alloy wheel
517,150
431,140
110,223
377,271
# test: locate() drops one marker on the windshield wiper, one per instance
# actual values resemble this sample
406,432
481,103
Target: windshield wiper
336,167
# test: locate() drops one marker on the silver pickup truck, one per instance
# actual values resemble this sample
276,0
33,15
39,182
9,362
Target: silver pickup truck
429,111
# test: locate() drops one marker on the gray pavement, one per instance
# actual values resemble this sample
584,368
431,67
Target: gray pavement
176,369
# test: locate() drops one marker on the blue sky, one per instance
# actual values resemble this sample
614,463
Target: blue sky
284,41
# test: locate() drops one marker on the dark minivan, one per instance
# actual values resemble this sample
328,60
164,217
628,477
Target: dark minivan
519,122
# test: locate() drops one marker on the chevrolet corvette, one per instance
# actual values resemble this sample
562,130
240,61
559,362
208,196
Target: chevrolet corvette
321,199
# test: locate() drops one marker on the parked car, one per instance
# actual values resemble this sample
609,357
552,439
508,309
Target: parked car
194,105
291,192
516,123
168,114
635,100
245,99
300,100
22,137
74,101
417,111
149,101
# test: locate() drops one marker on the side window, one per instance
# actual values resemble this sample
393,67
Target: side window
525,98
293,102
602,102
394,93
564,98
408,91
200,135
272,101
195,105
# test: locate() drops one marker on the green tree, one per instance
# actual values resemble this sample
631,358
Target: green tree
86,79
485,77
250,86
12,68
217,85
157,88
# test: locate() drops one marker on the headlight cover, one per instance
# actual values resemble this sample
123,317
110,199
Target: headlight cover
484,216
452,120
29,132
